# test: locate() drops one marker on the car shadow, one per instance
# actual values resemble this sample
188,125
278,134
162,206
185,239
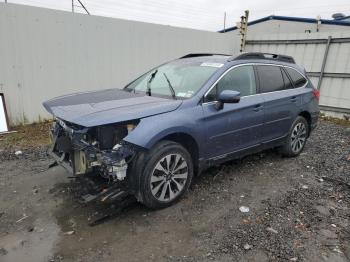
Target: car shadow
96,213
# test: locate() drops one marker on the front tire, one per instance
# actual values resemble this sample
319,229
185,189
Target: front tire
297,137
167,175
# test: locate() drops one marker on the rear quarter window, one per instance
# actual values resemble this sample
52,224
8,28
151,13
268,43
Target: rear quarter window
298,79
287,83
270,78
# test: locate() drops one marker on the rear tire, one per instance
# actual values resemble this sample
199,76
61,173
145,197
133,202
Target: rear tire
167,174
296,139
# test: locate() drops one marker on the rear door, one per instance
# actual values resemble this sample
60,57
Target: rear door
281,101
236,126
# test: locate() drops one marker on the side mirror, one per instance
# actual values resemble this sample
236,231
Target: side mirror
227,96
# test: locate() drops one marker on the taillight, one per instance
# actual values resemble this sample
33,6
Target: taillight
316,94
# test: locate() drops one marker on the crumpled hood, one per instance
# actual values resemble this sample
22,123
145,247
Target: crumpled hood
107,106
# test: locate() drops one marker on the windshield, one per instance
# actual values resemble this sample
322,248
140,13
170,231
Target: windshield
183,79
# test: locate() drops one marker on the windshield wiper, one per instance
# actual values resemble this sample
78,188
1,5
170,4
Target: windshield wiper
148,91
170,87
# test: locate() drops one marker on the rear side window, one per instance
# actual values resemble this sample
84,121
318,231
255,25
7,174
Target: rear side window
297,78
271,78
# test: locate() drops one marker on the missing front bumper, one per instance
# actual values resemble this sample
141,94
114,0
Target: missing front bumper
78,156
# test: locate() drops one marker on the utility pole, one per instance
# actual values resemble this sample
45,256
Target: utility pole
318,19
72,6
224,22
243,26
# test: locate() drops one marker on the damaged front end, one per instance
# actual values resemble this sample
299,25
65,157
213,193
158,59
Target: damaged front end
95,151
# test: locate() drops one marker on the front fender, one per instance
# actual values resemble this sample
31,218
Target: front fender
152,129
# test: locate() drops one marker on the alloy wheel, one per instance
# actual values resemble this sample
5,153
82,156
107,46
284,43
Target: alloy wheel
169,177
298,137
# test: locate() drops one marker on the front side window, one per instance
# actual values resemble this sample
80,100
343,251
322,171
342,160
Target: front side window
185,79
241,79
296,77
271,78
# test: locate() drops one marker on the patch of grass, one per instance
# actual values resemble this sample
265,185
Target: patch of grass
338,121
27,136
37,134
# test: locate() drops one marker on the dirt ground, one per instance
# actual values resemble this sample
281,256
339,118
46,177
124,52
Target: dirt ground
299,210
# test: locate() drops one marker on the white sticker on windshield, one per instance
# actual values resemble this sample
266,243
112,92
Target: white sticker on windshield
218,65
185,94
181,94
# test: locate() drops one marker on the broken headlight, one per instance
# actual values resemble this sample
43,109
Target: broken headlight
103,149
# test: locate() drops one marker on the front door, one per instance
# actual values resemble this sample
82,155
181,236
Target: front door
236,126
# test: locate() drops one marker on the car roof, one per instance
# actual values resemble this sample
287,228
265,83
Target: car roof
245,58
205,58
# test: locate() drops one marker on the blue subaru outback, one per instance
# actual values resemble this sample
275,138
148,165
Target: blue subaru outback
150,138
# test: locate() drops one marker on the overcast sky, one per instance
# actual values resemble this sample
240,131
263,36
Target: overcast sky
199,14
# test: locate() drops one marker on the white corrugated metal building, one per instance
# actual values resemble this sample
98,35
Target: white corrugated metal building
274,24
321,46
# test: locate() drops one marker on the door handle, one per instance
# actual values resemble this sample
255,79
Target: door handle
293,99
257,108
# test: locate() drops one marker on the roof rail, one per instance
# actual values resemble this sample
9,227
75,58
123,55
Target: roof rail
268,56
201,54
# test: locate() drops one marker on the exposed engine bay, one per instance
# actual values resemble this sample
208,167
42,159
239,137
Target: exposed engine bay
99,150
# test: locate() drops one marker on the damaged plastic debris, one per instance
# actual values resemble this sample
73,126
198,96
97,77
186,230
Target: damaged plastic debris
53,164
112,193
18,153
115,210
69,232
115,161
120,169
81,153
272,230
120,152
247,246
244,209
21,219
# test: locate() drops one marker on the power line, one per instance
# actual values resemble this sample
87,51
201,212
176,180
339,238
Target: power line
179,13
81,5
84,7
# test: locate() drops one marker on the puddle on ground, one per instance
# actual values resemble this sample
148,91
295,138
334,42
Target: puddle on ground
35,246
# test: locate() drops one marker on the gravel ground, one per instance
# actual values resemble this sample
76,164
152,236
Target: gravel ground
299,210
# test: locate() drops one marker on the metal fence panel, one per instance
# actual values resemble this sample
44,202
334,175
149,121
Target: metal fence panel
335,87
